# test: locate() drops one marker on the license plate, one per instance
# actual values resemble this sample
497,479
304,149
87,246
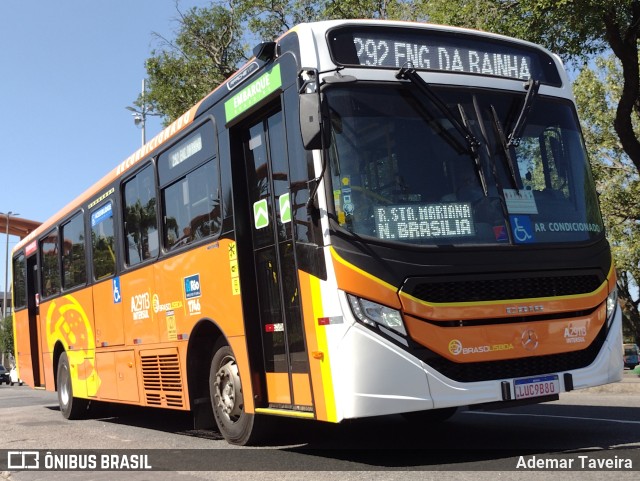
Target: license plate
536,386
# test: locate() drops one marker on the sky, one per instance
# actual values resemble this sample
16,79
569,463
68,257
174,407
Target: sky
68,69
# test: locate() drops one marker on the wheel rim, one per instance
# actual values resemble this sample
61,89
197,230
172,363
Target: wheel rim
65,389
229,401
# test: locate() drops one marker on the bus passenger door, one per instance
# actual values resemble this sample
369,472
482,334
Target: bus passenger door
34,341
274,267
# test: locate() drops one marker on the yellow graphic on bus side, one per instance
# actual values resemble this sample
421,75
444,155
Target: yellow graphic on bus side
68,323
323,346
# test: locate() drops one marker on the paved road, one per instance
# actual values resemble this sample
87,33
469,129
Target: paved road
599,423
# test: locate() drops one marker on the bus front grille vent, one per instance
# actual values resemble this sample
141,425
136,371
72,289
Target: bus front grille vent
162,378
496,289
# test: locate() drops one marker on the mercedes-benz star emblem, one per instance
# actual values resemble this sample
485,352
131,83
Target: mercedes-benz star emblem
529,340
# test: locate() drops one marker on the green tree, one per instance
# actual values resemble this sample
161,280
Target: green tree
207,49
6,335
268,19
597,93
383,9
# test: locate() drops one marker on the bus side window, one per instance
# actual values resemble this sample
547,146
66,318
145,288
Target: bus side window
190,188
543,166
19,281
140,220
50,264
191,207
555,158
74,267
103,242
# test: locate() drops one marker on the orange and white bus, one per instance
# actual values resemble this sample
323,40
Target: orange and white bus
368,218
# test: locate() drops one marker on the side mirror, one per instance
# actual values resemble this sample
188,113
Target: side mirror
310,121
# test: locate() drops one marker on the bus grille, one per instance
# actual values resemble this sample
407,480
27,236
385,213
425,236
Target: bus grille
513,368
473,290
161,378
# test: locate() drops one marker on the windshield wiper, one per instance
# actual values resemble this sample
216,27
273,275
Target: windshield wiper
532,87
506,147
474,150
409,73
511,141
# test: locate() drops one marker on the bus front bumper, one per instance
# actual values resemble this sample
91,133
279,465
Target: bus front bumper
376,377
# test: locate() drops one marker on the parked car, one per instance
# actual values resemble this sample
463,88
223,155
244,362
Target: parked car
4,375
631,353
13,376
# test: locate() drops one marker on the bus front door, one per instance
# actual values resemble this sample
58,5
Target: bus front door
281,333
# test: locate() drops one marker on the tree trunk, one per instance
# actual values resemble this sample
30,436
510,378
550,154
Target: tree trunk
624,43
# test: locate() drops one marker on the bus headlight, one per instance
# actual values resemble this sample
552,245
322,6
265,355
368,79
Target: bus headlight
612,303
377,315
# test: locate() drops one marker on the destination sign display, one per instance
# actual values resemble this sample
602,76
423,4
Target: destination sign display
401,222
185,149
441,51
182,157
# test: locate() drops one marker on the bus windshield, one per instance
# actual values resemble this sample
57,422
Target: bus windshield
401,171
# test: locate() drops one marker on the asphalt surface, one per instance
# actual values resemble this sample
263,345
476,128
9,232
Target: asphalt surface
619,401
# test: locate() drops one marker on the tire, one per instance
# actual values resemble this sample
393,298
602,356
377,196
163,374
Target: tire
227,401
433,416
70,407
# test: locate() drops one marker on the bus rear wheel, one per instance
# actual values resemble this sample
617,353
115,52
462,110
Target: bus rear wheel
227,399
70,407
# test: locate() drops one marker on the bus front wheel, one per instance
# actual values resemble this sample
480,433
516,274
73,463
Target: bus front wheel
70,407
227,399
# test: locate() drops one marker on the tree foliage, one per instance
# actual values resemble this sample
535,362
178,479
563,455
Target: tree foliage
6,335
206,50
382,9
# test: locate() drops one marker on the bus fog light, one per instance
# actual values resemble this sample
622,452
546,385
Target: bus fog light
376,315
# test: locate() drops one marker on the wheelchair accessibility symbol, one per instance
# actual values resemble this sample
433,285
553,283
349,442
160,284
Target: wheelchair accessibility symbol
117,297
522,229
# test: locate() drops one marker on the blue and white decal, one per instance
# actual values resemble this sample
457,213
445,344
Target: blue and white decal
522,229
192,286
117,294
102,214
